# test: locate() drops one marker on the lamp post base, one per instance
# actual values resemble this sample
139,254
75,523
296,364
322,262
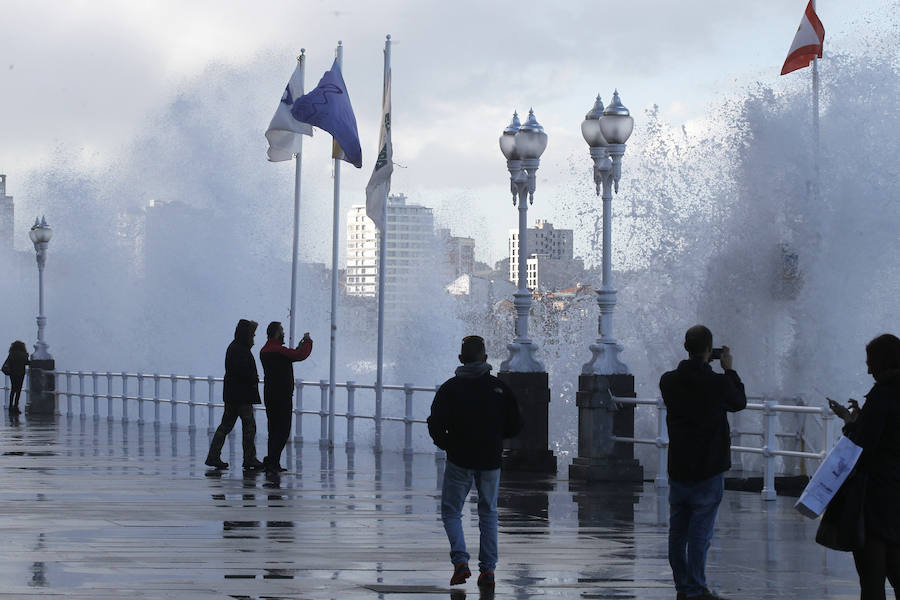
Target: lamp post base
528,452
521,358
600,419
42,386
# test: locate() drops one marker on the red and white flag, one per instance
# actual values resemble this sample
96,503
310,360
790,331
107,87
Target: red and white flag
807,42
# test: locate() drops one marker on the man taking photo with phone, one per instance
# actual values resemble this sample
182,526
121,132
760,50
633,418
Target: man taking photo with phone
697,400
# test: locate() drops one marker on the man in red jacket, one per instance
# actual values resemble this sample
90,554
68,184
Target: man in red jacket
278,389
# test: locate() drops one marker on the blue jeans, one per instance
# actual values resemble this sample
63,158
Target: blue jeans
692,515
457,483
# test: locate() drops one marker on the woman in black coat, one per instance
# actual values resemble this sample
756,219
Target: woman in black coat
876,428
15,367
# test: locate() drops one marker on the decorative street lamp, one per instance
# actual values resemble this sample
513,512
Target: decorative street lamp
606,132
522,145
40,235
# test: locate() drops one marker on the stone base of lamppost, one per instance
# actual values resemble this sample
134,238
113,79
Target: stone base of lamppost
600,419
528,452
42,387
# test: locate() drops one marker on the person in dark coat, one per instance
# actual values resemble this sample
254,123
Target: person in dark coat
278,388
240,392
471,415
876,428
697,400
14,366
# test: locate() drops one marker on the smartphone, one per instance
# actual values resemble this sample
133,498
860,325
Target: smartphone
716,354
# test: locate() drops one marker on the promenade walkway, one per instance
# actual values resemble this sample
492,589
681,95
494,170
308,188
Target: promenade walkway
93,510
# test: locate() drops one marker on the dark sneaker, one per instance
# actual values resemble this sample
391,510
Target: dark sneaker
486,579
708,595
461,572
253,465
216,463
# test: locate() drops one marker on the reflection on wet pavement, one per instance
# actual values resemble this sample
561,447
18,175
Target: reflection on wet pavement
93,509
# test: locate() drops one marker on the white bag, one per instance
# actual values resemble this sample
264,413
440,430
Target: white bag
828,479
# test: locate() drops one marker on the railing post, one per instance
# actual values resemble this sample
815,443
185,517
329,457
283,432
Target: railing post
174,418
323,414
68,393
140,398
156,399
769,446
95,382
6,391
298,412
211,388
109,397
192,425
827,432
124,397
351,407
57,387
81,393
408,420
662,445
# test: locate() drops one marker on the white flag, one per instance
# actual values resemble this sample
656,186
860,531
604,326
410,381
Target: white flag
284,131
380,182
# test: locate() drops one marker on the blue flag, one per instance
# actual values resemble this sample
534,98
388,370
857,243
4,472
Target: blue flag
328,107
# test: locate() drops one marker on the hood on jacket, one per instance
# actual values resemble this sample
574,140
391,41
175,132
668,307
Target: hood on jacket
244,331
693,370
473,369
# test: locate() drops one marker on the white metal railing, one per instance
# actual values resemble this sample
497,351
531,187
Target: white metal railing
769,408
115,388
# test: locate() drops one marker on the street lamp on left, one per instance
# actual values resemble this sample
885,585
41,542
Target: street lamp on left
40,235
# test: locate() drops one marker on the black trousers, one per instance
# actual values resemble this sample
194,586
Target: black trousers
878,559
279,415
17,381
248,431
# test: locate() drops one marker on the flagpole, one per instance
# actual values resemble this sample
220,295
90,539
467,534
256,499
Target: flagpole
298,159
816,148
382,254
335,233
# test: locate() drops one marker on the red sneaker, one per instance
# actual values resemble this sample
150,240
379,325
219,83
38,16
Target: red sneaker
461,572
486,579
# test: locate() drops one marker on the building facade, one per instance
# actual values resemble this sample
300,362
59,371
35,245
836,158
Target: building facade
7,217
549,253
459,252
410,247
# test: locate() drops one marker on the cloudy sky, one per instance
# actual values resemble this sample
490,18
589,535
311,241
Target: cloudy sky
87,81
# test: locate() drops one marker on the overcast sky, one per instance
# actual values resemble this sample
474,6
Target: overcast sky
86,79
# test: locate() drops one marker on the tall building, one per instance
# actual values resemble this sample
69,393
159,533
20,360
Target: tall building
542,240
460,252
409,248
7,217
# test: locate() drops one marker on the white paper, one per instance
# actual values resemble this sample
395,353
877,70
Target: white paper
828,479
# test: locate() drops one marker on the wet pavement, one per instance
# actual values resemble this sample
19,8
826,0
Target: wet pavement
92,509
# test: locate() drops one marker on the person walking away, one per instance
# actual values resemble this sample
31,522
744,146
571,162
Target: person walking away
239,392
278,389
697,400
14,367
876,428
471,415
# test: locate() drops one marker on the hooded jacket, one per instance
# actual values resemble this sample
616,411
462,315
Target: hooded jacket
697,400
241,377
471,415
278,368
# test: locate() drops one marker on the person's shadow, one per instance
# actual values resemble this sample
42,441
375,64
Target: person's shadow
483,594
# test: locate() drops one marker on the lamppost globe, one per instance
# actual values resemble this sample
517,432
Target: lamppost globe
531,141
590,127
616,122
508,138
40,232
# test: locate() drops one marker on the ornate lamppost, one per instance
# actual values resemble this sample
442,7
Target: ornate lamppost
522,145
40,235
41,398
605,377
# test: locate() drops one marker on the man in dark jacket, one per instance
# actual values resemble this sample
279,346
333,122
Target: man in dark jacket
278,388
239,392
471,415
697,400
